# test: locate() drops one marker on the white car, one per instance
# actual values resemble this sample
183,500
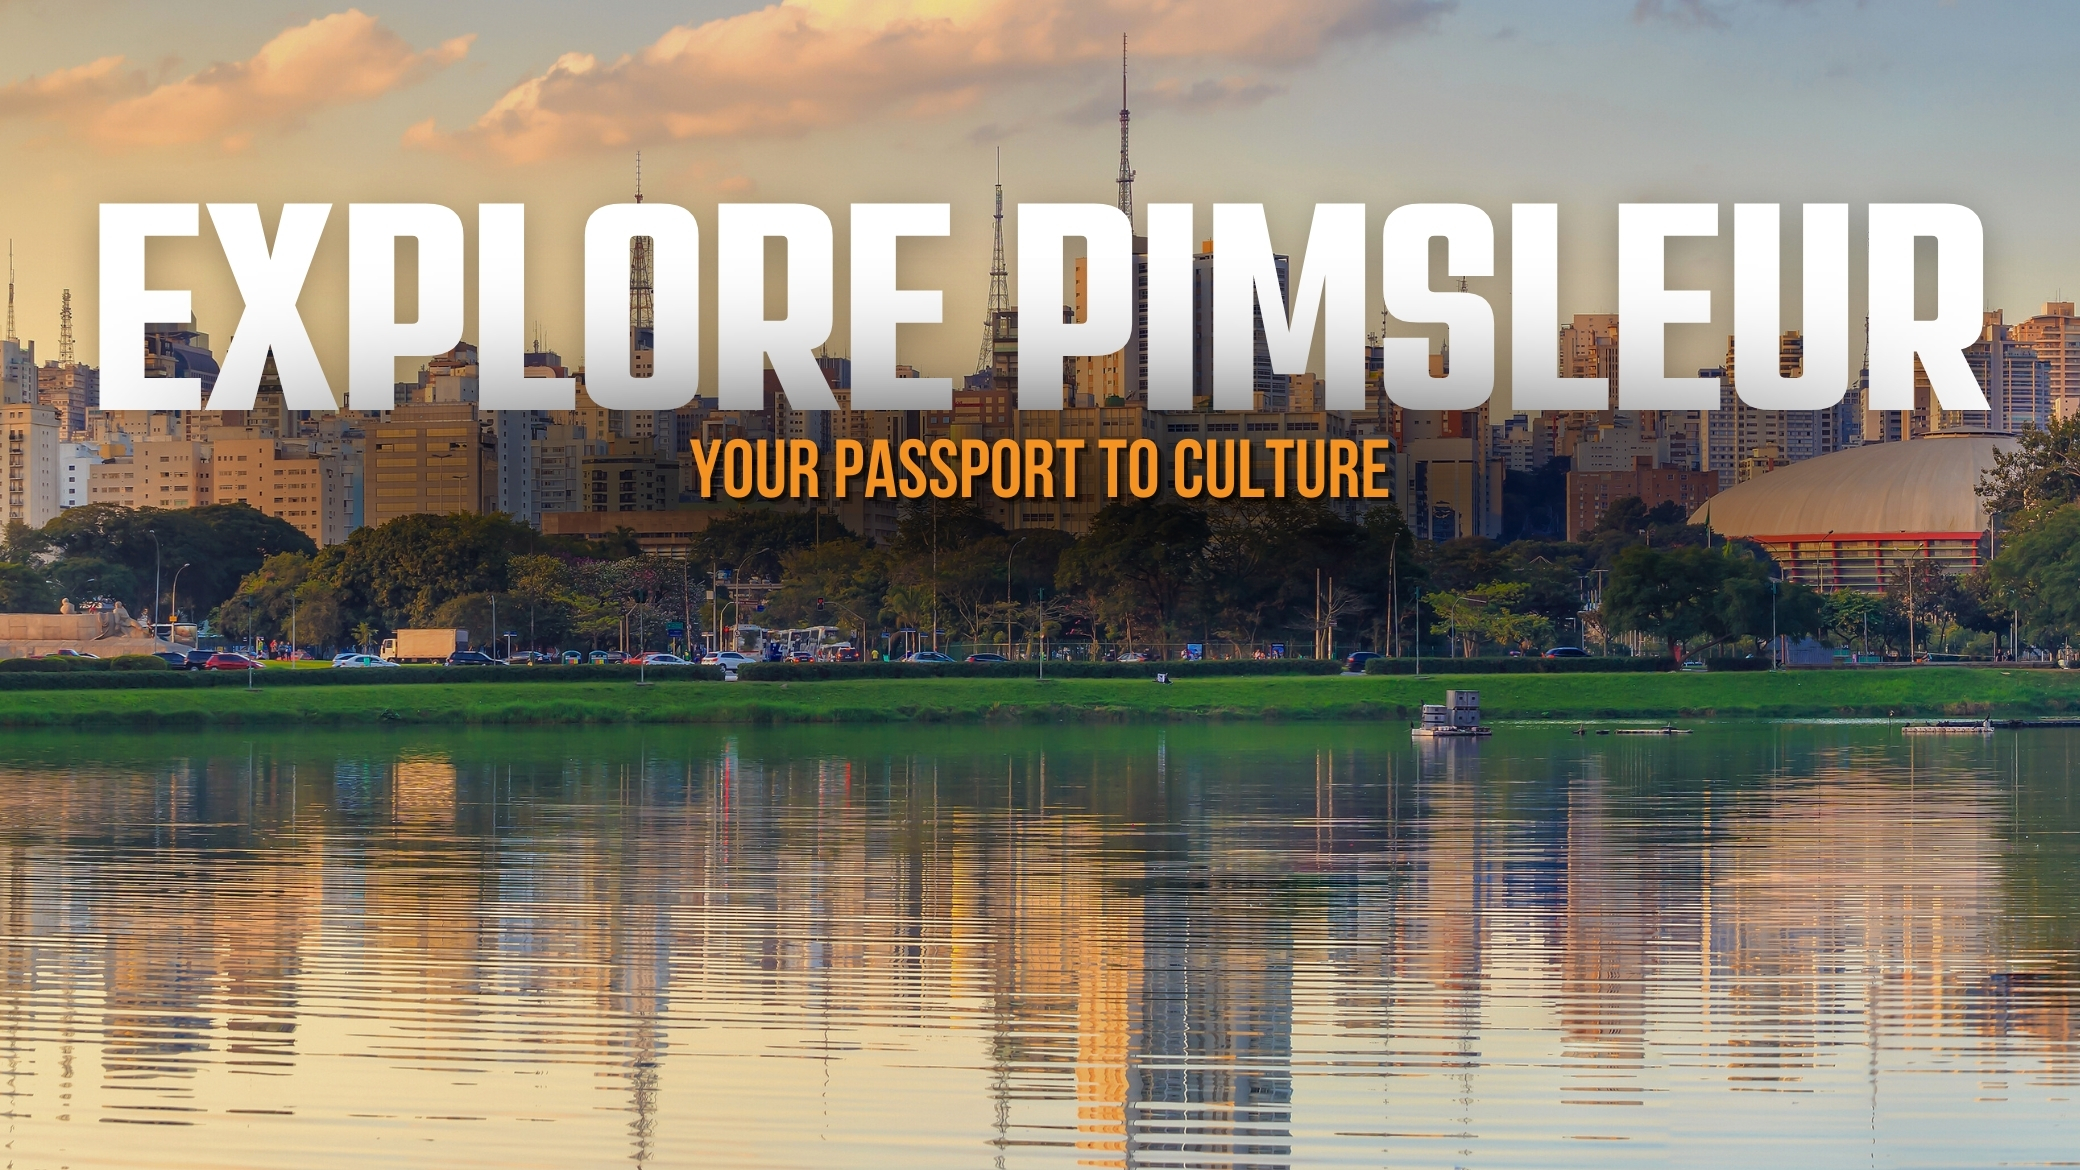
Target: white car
728,659
661,660
349,661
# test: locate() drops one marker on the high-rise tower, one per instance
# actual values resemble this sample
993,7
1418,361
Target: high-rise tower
65,329
10,292
1126,171
999,280
642,308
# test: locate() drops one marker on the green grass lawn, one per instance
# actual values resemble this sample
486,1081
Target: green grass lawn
1924,691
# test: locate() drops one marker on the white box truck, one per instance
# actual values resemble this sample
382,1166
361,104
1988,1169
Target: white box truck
424,645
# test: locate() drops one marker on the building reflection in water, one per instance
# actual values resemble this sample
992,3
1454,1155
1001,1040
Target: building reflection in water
1222,947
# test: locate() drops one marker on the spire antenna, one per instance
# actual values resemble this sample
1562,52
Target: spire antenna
1126,171
642,316
10,292
999,282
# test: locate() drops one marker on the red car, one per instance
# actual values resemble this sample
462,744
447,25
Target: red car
230,661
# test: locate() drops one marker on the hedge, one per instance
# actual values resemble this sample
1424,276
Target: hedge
68,665
111,677
1223,668
1639,665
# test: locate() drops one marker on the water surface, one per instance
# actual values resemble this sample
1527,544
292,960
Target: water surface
1212,946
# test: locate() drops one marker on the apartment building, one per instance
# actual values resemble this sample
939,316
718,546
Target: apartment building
423,458
32,463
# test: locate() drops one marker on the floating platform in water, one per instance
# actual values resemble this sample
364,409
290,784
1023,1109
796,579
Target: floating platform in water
1450,732
1960,727
1650,731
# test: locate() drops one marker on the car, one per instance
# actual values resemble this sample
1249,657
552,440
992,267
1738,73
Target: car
985,658
1566,652
1356,660
574,658
1696,666
230,660
359,661
728,659
802,656
660,660
472,658
1131,656
928,656
69,652
845,654
184,659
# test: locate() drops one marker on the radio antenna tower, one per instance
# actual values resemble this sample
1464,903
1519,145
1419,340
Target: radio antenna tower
999,281
65,329
1126,172
642,308
10,292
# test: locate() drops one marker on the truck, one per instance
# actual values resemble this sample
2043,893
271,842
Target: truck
424,645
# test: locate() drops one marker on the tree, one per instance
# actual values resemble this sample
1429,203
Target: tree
1491,613
1682,594
2039,568
1140,557
281,599
24,590
401,572
754,540
2040,476
220,544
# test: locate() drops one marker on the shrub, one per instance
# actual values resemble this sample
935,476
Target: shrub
1523,665
138,662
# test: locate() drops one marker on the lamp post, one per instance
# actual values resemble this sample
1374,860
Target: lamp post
173,607
1007,593
155,573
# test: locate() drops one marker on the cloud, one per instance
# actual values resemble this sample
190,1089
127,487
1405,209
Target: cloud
335,60
805,64
1701,13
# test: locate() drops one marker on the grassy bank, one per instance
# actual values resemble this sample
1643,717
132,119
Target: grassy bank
1925,691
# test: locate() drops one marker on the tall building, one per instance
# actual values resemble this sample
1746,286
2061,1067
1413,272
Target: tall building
17,372
286,480
423,459
1741,441
2055,335
32,462
2013,375
72,389
625,475
1267,390
1588,349
1444,480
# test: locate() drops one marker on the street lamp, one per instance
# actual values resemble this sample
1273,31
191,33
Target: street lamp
155,573
173,607
1007,593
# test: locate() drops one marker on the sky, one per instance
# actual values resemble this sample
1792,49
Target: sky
1586,104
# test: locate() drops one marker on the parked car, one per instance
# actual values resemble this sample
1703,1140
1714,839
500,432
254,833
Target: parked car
1696,666
472,658
69,652
1356,660
1566,652
184,659
927,656
1131,656
230,660
986,658
359,661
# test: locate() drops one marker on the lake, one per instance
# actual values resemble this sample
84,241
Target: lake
1076,945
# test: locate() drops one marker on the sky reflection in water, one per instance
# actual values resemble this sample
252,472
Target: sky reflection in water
1207,946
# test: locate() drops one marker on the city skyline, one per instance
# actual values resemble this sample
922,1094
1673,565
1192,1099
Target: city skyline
458,108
